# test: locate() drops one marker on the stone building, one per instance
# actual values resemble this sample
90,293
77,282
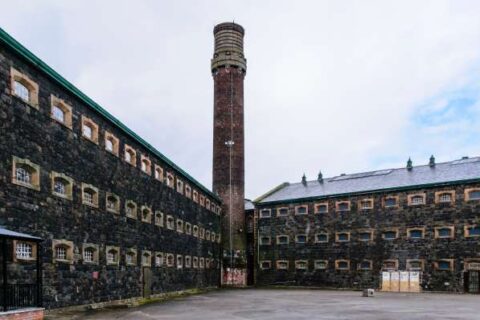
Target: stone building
353,230
119,220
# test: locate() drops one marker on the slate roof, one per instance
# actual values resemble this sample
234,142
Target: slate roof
465,169
249,205
5,233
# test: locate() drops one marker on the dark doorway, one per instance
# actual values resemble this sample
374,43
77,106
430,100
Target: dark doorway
147,282
472,281
250,250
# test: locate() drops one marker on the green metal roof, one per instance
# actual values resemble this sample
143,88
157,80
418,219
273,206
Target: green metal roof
23,52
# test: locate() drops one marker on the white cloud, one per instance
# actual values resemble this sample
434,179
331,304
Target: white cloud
331,85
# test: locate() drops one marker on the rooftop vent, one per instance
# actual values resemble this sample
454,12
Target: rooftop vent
409,164
431,163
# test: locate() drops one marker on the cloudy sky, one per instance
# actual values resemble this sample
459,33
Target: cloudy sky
337,86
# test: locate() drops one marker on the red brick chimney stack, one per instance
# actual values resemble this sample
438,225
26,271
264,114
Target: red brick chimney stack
228,70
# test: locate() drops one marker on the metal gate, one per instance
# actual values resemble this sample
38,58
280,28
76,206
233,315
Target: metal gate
401,281
473,280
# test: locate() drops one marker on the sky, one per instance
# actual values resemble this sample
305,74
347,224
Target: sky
337,86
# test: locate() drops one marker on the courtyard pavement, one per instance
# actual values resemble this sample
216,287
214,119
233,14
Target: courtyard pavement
297,304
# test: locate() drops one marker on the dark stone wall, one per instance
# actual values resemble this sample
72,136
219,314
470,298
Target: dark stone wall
430,215
29,133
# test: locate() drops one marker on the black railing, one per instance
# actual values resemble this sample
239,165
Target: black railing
19,296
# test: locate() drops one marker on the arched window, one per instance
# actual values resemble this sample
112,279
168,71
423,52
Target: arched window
159,259
188,261
58,114
24,88
131,209
87,131
158,173
109,144
146,259
112,203
159,218
301,265
365,265
60,186
179,261
112,255
445,197
146,165
130,155
170,260
195,231
146,214
131,257
89,195
179,225
21,91
416,200
25,173
170,223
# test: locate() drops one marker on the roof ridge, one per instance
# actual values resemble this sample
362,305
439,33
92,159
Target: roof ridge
396,169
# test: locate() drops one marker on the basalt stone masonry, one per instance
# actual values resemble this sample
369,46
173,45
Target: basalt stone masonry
119,220
346,231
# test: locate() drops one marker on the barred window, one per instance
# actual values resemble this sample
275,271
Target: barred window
390,202
416,233
87,131
88,254
265,213
417,200
61,112
60,186
390,235
24,250
109,145
61,253
23,175
321,208
366,204
21,91
474,195
445,197
365,236
366,265
321,264
321,237
130,258
88,196
300,238
112,203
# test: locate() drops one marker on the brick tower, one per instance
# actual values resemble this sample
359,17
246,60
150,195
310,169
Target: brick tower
228,70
